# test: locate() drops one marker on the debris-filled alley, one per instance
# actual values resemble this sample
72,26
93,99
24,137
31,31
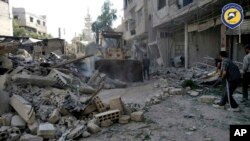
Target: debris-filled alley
172,70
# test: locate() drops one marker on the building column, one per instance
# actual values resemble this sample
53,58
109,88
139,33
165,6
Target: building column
186,46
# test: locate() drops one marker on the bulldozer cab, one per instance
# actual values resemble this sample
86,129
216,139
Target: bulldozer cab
113,44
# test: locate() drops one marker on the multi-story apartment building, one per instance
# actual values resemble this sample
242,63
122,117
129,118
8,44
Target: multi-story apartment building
31,22
193,29
136,26
6,27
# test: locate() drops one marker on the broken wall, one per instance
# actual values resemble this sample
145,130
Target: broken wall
5,19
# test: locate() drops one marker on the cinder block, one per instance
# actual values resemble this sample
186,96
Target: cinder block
76,132
112,115
137,116
23,108
124,119
99,104
116,103
33,127
46,130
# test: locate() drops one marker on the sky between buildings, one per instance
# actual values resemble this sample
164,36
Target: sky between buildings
68,14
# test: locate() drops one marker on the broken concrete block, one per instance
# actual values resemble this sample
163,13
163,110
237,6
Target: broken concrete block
86,89
116,103
90,108
33,80
137,116
208,99
193,93
28,137
99,104
4,102
76,132
33,127
5,119
93,128
17,121
112,115
54,117
124,119
23,108
86,134
46,130
176,91
106,123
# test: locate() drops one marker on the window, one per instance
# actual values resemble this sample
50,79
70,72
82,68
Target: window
163,34
187,2
38,22
44,24
31,19
161,4
16,17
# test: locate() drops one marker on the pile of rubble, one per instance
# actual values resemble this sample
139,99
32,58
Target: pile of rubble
44,101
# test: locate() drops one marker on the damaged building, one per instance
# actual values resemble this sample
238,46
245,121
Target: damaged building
191,29
6,18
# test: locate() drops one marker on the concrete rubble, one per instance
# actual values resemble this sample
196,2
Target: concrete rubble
54,101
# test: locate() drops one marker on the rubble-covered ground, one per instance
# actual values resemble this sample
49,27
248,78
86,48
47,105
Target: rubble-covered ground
44,101
174,118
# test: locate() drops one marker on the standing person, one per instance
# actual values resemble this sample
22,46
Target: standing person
231,73
146,64
246,74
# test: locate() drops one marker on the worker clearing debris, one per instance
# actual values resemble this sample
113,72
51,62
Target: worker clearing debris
246,74
231,73
146,64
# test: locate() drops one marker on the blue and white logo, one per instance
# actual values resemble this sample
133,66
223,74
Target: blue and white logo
232,15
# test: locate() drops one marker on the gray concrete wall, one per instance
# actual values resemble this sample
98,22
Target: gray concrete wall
136,11
6,27
205,43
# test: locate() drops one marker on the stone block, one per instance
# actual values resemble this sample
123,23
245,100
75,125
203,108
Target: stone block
26,79
90,108
116,103
176,91
14,137
23,108
28,137
106,123
93,128
17,121
46,130
137,116
112,115
207,99
76,132
54,117
124,119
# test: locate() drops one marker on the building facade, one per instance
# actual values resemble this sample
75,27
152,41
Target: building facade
135,26
31,22
189,28
6,27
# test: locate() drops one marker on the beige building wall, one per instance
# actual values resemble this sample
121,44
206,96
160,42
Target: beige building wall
31,22
6,27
